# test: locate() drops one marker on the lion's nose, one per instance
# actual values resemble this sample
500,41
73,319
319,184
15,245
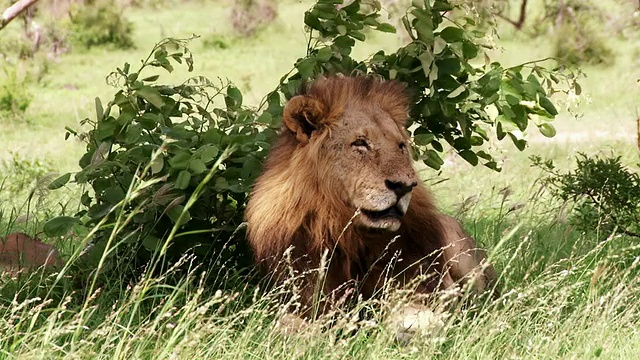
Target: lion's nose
400,188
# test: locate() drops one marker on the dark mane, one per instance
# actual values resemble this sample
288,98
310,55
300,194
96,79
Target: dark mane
337,92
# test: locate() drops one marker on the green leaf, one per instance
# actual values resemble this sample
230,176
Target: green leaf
221,184
251,167
151,242
470,156
439,45
548,105
133,134
106,129
114,194
151,95
157,164
469,50
59,226
59,182
233,98
180,160
324,54
426,59
208,153
305,67
357,35
179,215
577,88
507,123
197,166
512,100
149,121
151,78
182,181
311,20
547,130
423,25
452,34
517,140
388,28
265,118
99,109
344,44
442,5
432,159
423,139
457,91
448,66
85,199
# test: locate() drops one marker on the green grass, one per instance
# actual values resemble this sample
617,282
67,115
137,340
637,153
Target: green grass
565,294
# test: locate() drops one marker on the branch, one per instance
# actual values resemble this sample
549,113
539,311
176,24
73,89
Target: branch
520,22
15,10
638,127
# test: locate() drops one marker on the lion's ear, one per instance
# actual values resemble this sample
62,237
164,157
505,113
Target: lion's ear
303,115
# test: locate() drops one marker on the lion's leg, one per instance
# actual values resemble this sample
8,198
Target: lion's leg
464,262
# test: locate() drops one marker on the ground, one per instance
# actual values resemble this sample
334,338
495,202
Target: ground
565,293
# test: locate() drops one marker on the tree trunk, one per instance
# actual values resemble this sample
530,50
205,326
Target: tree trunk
15,10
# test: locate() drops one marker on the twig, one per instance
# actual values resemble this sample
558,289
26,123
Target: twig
520,22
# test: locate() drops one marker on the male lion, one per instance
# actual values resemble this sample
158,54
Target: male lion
340,181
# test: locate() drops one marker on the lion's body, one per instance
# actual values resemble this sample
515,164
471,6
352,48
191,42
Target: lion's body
339,182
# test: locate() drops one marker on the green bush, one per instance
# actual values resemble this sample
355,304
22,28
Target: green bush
19,174
100,23
604,193
170,166
215,41
197,158
578,44
15,98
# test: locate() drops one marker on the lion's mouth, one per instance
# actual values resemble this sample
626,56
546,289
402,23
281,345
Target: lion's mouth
392,212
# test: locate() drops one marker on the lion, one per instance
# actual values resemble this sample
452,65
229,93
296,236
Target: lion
19,251
339,190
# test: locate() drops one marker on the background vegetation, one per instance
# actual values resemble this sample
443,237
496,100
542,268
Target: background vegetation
569,282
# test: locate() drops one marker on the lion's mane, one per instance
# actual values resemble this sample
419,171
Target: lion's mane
294,205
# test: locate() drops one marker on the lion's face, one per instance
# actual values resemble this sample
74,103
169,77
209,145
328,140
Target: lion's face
362,156
369,163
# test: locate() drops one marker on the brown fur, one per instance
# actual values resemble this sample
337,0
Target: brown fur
307,196
20,251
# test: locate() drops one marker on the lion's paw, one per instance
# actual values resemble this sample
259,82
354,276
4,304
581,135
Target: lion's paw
412,320
290,324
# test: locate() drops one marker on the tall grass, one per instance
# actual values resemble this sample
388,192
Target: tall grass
579,302
564,294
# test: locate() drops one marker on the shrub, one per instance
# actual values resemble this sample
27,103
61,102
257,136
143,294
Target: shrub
198,157
20,174
604,193
215,41
577,44
99,23
170,166
15,98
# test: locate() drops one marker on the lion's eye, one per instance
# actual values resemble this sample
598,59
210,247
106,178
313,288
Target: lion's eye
402,146
361,143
